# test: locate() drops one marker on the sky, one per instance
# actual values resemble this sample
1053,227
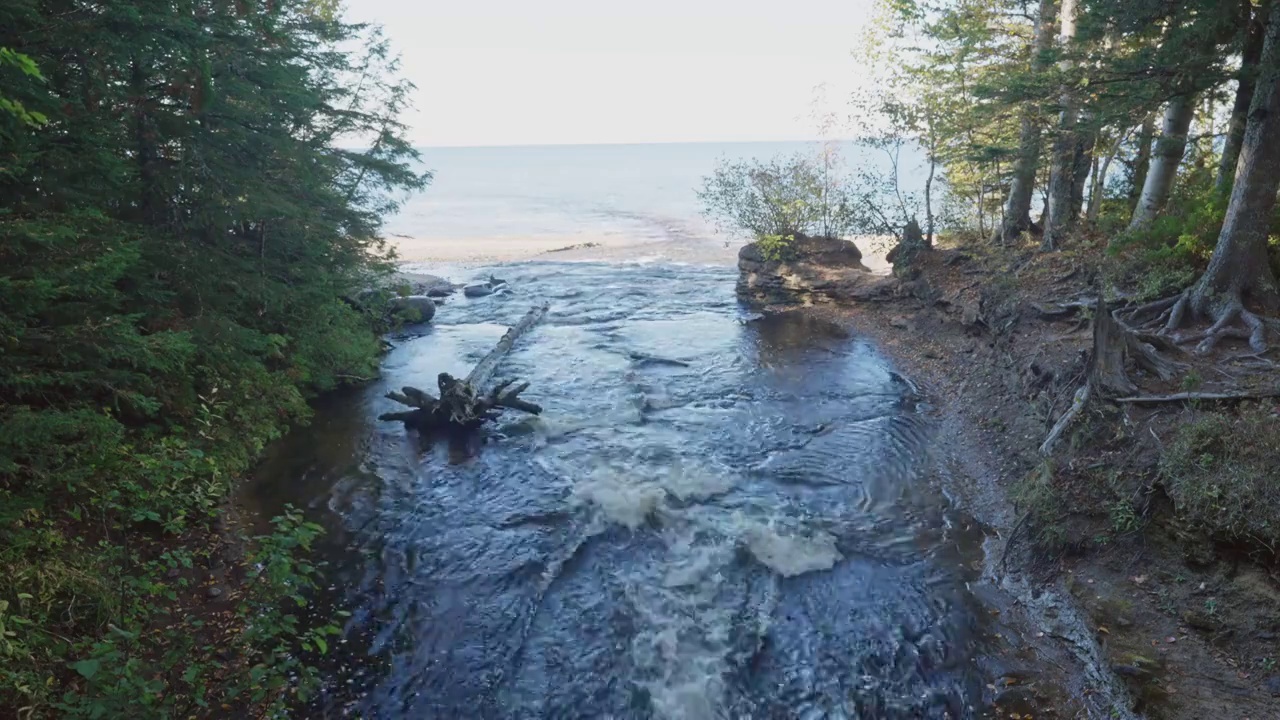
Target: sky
534,72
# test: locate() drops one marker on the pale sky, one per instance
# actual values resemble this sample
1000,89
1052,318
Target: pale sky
508,72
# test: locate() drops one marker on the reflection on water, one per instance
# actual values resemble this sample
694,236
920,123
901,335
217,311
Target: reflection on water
744,533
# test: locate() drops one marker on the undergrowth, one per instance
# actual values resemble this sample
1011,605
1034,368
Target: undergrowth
1167,257
1220,472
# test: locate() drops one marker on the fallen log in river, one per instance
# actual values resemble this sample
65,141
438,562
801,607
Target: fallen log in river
462,404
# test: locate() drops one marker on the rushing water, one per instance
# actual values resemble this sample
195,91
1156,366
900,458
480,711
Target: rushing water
718,515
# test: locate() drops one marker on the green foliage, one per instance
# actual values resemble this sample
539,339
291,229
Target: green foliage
279,580
782,197
776,247
1166,257
182,211
10,60
1220,471
1124,519
152,662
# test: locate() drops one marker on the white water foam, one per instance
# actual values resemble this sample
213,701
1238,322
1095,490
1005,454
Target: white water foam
791,555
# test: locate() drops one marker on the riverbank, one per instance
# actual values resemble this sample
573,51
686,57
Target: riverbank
1180,623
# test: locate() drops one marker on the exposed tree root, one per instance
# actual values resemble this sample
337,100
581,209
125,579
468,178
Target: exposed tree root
1077,406
1138,316
1188,396
1114,345
1224,316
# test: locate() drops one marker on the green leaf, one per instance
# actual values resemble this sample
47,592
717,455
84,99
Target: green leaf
87,668
320,643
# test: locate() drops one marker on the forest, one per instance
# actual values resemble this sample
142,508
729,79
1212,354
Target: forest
188,192
1153,125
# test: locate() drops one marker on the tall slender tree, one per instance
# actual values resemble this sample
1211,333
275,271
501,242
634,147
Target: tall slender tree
1254,21
1167,155
1062,168
1239,275
1142,160
1017,208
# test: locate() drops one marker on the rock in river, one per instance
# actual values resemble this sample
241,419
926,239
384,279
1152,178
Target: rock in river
482,289
813,269
414,308
424,284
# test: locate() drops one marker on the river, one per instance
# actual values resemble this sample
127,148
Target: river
718,515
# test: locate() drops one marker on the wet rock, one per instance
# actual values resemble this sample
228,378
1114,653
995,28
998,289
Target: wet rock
1272,684
488,287
413,308
813,269
424,284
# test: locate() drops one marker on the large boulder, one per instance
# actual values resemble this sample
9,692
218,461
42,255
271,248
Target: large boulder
812,269
413,308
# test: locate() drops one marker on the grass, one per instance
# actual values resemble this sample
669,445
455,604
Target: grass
1222,474
1039,498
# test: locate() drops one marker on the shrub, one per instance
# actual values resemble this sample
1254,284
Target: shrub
781,198
1221,473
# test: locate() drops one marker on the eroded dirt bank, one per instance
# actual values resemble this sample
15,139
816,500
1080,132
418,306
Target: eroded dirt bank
1116,561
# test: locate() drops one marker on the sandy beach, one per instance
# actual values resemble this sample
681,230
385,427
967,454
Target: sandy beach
423,253
559,248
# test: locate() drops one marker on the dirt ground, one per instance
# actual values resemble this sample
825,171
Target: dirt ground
1172,623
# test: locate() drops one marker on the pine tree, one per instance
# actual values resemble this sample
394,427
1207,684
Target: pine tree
181,217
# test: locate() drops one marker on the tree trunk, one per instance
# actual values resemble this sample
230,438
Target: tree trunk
1098,192
1239,272
1062,171
1250,55
928,198
1164,165
1142,161
144,144
1017,209
1086,142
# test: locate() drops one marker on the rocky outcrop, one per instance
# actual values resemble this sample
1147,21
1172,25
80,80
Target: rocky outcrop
814,269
